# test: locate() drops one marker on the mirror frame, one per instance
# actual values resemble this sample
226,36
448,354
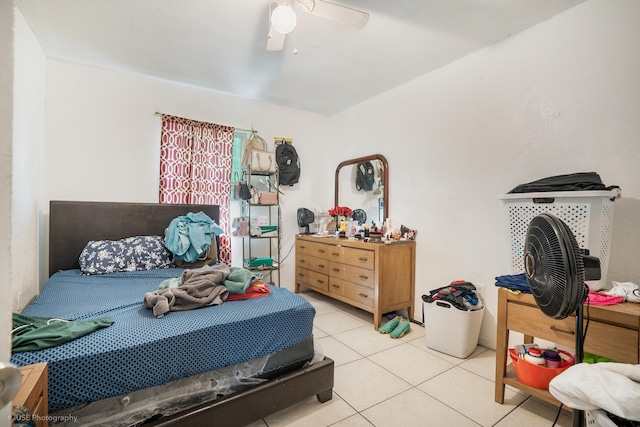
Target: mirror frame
385,178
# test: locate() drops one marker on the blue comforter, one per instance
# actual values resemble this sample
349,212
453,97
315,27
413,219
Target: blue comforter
140,350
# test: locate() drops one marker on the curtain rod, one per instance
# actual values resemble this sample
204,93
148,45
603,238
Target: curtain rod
157,113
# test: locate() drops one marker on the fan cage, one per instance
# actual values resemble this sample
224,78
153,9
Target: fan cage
554,267
589,215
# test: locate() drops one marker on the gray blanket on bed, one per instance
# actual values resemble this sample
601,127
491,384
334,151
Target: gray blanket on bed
200,288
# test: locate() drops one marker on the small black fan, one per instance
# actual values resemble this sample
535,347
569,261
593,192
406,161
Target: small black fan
555,270
360,216
305,217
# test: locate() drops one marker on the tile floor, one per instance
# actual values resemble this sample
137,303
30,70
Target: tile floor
380,381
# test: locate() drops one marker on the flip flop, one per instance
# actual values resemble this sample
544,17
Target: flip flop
402,329
390,326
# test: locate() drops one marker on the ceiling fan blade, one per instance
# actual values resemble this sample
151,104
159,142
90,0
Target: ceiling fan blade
335,12
275,40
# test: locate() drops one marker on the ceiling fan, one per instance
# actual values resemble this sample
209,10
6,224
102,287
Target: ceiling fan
282,18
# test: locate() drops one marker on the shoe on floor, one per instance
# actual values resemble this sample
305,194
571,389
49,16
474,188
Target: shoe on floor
404,326
390,326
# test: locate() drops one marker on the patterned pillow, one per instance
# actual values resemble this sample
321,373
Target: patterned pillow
130,254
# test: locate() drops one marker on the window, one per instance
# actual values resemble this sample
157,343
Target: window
195,168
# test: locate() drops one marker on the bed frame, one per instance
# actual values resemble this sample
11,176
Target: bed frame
72,224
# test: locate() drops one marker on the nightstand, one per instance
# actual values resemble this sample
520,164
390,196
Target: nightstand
33,392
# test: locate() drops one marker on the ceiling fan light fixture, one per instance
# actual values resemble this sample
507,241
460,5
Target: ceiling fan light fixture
283,19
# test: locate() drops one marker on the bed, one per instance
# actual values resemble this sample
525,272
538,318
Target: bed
229,364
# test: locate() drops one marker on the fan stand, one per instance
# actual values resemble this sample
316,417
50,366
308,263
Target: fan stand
578,414
550,243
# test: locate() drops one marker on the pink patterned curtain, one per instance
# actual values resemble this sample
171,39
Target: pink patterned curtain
195,168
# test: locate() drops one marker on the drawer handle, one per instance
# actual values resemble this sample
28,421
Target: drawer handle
321,251
335,253
336,270
564,331
302,261
363,277
336,286
320,281
364,295
301,274
303,247
320,265
363,259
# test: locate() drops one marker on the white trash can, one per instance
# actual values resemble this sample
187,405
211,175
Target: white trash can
450,330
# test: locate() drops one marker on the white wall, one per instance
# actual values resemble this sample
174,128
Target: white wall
560,97
102,140
6,138
26,166
21,103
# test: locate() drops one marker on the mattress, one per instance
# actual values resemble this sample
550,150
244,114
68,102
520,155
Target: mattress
139,350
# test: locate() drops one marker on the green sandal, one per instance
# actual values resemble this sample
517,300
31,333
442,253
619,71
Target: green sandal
401,330
390,326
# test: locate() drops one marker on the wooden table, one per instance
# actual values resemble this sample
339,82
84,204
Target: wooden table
33,392
613,332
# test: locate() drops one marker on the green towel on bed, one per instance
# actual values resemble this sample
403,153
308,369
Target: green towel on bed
239,280
36,333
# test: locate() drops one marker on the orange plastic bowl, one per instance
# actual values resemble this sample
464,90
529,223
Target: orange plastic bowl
539,376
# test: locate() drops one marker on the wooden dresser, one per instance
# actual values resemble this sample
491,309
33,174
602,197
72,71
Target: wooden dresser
33,392
613,332
375,277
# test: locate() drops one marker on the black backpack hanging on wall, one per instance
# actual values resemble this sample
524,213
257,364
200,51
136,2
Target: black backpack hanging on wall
365,177
288,164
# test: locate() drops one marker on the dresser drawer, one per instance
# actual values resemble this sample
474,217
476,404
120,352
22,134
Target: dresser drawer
359,258
319,250
359,294
607,340
319,265
311,279
352,256
357,275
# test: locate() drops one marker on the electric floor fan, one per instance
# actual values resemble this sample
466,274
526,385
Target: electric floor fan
555,270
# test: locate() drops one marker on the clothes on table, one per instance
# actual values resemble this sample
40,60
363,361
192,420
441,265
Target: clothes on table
627,290
516,283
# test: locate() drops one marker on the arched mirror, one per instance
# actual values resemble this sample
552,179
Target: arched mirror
372,198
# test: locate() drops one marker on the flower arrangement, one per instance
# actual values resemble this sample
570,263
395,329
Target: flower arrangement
343,211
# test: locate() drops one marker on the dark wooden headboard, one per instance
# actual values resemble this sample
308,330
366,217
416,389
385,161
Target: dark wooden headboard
73,224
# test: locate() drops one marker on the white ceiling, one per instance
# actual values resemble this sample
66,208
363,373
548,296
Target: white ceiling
220,44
